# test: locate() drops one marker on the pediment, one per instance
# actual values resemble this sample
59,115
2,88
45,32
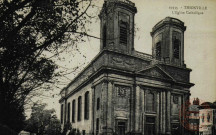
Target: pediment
156,72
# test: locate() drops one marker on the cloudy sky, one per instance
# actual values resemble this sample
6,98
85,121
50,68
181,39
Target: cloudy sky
200,40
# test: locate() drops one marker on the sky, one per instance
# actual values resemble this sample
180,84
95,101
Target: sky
200,40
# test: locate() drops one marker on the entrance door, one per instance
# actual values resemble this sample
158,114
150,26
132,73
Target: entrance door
150,125
150,129
121,128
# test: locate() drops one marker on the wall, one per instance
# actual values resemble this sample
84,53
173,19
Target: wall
83,124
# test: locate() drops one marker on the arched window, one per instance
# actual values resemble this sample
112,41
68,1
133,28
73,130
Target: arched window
62,107
86,111
150,102
98,103
104,36
73,110
176,48
123,33
158,51
79,110
68,112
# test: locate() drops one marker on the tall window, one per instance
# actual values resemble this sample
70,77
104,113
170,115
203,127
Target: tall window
158,51
123,33
104,36
79,111
68,112
98,103
150,102
203,117
176,48
208,117
86,111
73,110
97,125
62,107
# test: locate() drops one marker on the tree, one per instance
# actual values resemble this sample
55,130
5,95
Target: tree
69,130
43,121
32,32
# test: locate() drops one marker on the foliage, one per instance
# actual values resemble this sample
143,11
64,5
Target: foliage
6,130
43,121
69,130
67,126
32,32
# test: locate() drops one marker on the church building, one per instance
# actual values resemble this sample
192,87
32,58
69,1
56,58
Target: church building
125,91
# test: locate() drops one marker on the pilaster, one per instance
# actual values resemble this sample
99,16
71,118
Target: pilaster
161,112
93,109
158,113
137,109
143,110
168,128
164,112
109,108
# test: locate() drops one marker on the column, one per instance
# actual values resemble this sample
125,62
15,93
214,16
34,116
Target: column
168,113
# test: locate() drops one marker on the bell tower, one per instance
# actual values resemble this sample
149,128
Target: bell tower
117,25
168,41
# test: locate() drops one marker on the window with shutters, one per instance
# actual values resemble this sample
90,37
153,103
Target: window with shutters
158,51
176,48
79,110
208,117
203,118
104,36
86,111
73,110
123,33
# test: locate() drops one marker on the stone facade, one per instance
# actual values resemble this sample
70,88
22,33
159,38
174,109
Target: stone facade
129,91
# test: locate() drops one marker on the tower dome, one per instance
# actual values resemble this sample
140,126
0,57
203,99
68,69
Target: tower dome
117,25
168,41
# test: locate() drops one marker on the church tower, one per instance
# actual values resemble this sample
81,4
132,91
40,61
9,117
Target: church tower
168,41
117,25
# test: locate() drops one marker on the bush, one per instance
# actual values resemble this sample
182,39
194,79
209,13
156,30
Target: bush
68,128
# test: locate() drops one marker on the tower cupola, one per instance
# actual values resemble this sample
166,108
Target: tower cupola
168,41
117,25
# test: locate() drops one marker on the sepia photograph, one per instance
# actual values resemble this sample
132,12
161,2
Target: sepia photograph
107,67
